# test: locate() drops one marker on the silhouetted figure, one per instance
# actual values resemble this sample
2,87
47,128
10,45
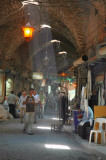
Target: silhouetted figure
12,99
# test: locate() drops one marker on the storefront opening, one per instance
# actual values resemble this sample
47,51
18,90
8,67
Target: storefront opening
71,94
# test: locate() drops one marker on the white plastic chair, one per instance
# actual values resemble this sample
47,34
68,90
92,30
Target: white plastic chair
101,121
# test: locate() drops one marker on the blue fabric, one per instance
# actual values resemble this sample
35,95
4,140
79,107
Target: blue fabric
90,114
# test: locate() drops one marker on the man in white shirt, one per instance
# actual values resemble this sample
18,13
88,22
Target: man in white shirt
22,106
12,99
30,112
37,100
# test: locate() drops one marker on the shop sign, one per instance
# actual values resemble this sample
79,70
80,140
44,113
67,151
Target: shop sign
37,75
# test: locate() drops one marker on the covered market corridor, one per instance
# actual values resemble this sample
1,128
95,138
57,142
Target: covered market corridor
66,145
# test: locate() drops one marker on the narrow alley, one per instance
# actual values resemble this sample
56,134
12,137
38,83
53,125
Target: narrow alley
43,144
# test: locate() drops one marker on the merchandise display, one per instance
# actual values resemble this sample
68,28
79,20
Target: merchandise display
4,114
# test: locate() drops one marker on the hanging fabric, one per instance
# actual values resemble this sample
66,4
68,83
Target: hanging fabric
99,97
102,96
89,85
83,97
101,100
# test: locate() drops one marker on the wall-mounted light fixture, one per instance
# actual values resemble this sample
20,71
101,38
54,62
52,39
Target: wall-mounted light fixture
63,53
44,26
54,40
30,2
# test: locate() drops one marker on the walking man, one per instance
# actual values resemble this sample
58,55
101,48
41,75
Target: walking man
37,100
30,112
43,101
12,99
22,106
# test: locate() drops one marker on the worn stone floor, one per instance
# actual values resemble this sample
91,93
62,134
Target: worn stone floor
43,145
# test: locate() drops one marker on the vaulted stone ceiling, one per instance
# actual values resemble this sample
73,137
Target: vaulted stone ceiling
75,23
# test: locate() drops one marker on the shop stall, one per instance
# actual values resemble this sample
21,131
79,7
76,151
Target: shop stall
2,86
91,80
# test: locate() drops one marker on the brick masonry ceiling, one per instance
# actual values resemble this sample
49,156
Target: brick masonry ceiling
77,24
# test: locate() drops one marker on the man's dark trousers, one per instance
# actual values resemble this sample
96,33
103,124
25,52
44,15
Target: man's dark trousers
12,109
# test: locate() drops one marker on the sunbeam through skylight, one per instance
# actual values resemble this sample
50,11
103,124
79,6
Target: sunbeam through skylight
56,146
43,127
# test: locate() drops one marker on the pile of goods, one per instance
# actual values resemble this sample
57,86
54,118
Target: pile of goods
4,114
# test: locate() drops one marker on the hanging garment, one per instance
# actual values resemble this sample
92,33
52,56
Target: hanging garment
93,101
101,100
83,97
89,85
99,97
63,108
102,95
85,92
82,92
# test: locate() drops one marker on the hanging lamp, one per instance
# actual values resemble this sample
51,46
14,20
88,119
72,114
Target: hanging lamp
63,74
28,32
75,85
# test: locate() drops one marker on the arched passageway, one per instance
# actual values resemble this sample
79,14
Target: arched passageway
64,32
